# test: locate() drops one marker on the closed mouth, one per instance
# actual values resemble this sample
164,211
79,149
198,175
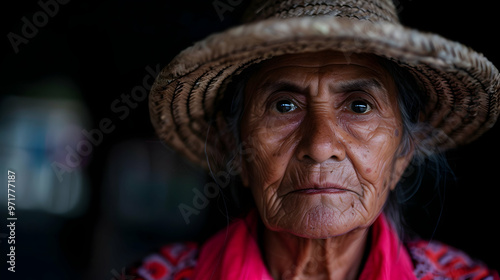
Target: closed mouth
320,189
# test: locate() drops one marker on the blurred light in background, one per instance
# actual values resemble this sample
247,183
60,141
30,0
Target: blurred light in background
34,133
44,139
38,122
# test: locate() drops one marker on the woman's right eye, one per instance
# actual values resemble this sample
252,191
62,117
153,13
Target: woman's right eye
285,106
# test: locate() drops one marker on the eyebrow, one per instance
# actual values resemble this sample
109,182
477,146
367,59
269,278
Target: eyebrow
342,86
359,84
281,85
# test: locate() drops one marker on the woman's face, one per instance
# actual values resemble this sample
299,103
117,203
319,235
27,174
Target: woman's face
324,129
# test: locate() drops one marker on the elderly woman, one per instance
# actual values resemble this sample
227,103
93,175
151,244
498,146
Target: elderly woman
318,108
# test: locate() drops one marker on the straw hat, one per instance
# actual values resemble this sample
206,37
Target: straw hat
461,84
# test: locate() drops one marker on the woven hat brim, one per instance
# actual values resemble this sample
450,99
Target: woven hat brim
462,84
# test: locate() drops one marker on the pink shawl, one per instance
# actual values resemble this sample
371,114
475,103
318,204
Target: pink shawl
233,254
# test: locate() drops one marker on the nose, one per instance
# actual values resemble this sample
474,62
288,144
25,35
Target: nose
320,139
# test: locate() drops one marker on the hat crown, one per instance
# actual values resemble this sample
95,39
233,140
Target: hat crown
370,10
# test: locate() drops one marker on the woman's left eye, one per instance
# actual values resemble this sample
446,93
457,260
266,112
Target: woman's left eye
360,107
285,106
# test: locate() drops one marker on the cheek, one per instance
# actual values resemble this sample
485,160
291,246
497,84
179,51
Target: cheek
371,144
271,152
272,141
372,157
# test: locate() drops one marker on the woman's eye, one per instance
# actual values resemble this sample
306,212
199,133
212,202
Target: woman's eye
360,107
285,106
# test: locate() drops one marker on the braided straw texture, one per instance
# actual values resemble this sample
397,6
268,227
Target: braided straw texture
374,11
462,85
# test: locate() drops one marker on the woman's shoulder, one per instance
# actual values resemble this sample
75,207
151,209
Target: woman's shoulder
435,260
174,261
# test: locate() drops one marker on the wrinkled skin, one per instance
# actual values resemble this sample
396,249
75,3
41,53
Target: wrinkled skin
325,132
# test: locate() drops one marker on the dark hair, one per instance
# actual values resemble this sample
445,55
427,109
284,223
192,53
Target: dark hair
411,100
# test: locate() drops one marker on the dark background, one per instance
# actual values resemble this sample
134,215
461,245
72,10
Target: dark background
120,202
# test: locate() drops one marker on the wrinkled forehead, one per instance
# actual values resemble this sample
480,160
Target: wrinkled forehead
322,60
328,66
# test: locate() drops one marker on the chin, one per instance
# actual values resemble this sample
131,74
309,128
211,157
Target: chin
318,222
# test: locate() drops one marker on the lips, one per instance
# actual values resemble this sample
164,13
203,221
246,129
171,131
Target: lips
319,189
